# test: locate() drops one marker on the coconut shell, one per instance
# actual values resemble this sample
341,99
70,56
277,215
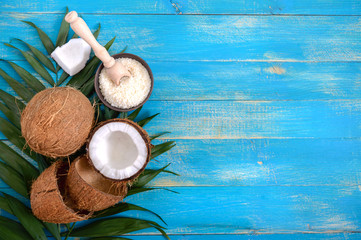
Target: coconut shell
48,200
141,131
57,121
90,190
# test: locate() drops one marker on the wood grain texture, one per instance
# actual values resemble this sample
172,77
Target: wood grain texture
254,120
316,7
210,38
261,162
249,119
334,236
262,98
252,210
195,81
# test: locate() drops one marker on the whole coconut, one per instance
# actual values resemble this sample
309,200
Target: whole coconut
57,121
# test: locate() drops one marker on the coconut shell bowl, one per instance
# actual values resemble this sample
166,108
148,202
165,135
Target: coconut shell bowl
99,93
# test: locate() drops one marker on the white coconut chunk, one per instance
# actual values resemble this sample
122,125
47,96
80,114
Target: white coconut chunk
117,150
72,56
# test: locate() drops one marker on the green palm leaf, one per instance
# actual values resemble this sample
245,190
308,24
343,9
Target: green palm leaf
48,44
135,113
39,55
123,207
29,79
63,31
110,238
4,205
35,65
143,122
12,230
11,116
62,78
147,176
133,191
13,159
158,135
12,133
14,179
114,227
26,218
88,88
162,148
123,115
14,104
22,91
96,33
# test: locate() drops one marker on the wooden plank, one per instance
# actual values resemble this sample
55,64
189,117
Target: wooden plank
253,210
261,162
249,119
254,120
318,7
296,236
245,81
209,38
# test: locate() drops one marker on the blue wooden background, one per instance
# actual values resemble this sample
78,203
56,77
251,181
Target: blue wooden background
262,96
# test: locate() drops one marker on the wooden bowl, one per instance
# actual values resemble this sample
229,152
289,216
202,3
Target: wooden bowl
99,93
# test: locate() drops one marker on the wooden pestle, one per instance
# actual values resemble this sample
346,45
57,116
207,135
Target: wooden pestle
115,70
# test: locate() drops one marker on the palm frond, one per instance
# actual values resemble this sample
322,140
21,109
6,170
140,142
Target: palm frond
48,44
11,229
22,91
123,207
114,227
63,32
39,55
35,65
32,225
29,79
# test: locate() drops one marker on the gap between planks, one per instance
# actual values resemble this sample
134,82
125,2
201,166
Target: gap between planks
194,14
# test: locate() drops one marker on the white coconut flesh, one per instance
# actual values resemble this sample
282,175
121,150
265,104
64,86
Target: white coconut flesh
117,150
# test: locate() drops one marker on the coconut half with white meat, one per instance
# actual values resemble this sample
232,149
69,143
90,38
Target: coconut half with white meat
118,152
119,149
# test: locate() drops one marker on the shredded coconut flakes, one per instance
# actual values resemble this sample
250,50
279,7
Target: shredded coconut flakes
131,92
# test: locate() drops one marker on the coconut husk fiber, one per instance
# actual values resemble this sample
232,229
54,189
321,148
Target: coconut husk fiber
48,200
57,121
90,190
141,131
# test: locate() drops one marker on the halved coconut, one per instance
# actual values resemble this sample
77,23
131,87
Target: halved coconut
119,149
48,199
90,190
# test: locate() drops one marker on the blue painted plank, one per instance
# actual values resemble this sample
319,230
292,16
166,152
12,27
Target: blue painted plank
244,81
319,7
209,38
300,236
261,162
253,210
254,120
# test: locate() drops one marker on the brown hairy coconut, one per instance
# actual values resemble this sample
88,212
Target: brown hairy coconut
48,199
57,121
118,152
90,190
